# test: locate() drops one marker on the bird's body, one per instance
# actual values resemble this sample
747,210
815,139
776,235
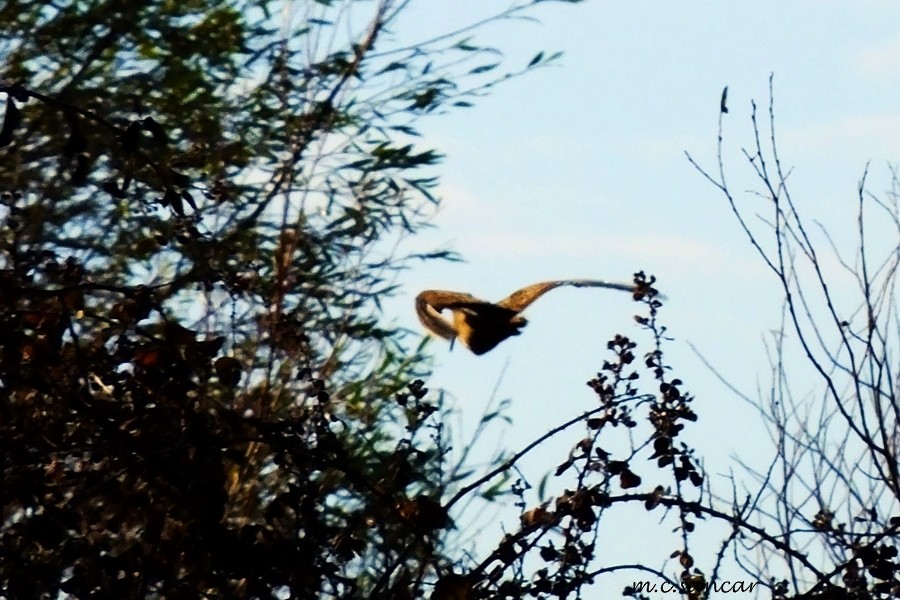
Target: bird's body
481,325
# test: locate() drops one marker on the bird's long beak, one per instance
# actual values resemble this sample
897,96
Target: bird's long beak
452,341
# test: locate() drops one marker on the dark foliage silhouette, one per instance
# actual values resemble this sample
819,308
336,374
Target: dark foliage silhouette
197,398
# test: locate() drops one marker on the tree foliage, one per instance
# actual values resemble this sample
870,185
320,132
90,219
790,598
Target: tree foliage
201,205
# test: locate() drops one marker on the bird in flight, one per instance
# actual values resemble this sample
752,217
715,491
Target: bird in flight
481,325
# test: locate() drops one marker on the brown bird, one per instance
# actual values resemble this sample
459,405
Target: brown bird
481,325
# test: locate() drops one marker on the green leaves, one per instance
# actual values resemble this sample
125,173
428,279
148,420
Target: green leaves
540,59
193,280
403,157
484,68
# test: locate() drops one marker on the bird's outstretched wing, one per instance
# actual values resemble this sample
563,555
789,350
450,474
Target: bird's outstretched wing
520,299
430,303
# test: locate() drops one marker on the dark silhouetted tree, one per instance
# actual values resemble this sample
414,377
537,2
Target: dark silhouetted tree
200,205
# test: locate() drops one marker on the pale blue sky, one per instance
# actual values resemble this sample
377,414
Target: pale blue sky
578,171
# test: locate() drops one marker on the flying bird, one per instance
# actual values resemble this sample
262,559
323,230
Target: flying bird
481,325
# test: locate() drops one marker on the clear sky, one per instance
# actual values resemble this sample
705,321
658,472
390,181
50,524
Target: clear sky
579,171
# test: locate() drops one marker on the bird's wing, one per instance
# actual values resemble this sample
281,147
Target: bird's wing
441,299
430,303
520,299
